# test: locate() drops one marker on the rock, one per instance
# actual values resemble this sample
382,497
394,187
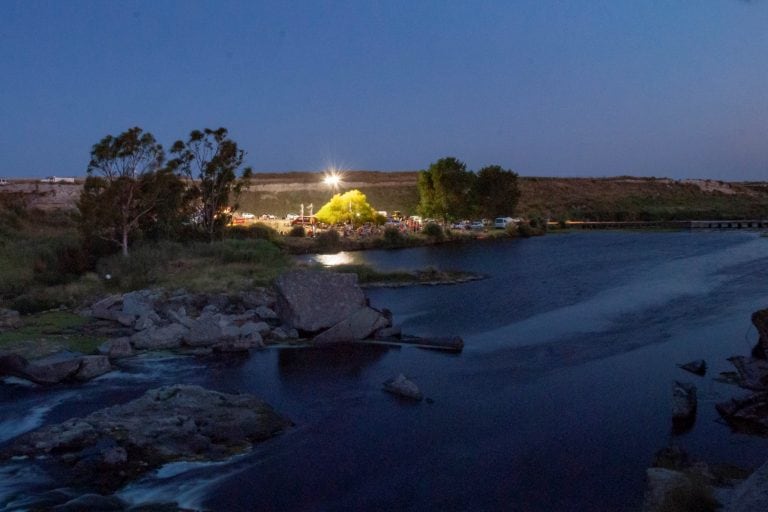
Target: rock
249,328
9,319
143,322
168,424
311,300
752,494
55,368
404,387
257,297
760,320
203,332
283,334
235,345
358,326
113,315
141,304
684,405
93,366
12,365
676,490
698,367
748,414
107,302
753,372
265,313
388,333
158,338
52,369
117,348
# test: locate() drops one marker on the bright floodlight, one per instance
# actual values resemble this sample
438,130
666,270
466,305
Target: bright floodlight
332,179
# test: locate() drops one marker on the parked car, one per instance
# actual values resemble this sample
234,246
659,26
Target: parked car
503,222
304,220
3,182
477,225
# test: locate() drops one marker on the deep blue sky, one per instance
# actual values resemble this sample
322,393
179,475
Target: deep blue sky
669,88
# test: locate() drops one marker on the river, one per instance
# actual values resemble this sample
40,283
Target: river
558,402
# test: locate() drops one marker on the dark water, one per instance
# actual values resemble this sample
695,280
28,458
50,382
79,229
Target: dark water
558,402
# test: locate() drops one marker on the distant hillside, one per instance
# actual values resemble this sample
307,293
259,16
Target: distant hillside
620,198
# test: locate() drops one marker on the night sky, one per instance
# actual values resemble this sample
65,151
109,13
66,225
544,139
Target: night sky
675,88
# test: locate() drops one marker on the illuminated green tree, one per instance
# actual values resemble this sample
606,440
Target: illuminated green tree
350,207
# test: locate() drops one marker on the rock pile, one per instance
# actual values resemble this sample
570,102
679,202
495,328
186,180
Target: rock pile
114,445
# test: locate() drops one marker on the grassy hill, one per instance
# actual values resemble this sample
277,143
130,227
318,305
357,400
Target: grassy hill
619,198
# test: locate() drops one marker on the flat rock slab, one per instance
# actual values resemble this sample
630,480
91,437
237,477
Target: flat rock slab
311,300
115,445
358,326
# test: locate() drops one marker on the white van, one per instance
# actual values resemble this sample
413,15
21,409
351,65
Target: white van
502,222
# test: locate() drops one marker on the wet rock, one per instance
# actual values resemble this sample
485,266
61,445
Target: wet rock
698,367
106,449
358,326
52,369
9,319
404,387
753,372
92,366
684,405
283,334
310,300
117,348
760,320
747,414
387,333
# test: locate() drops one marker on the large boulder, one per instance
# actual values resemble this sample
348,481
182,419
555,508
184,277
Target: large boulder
173,423
204,331
311,300
358,326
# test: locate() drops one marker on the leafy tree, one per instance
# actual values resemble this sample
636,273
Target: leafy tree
212,160
496,192
115,197
445,190
351,206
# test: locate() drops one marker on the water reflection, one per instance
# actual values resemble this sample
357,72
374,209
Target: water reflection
328,362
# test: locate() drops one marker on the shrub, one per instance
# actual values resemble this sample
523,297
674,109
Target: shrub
433,230
255,231
525,230
297,231
392,237
328,241
142,268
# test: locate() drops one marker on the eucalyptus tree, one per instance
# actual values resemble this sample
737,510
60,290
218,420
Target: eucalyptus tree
212,161
116,196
